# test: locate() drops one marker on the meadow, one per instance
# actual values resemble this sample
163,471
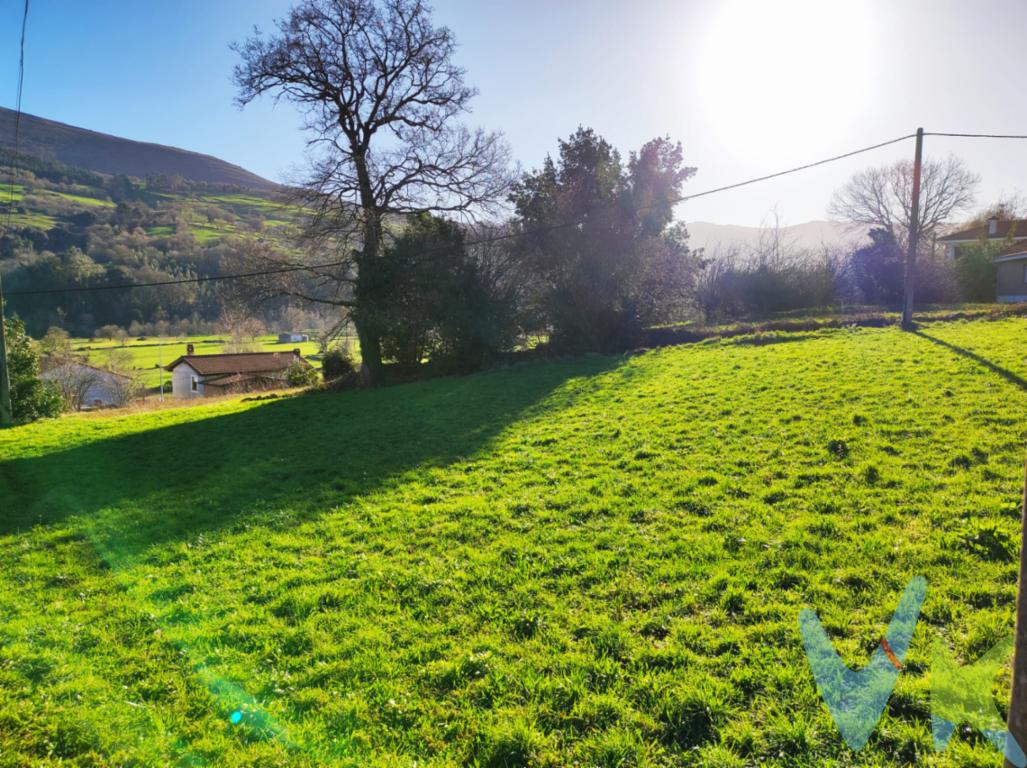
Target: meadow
592,562
148,354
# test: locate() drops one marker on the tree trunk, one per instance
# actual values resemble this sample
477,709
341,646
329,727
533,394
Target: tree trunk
368,292
370,353
368,295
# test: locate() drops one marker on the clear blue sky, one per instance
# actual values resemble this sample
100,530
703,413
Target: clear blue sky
747,86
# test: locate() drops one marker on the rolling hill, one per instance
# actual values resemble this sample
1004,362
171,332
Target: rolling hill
102,153
72,226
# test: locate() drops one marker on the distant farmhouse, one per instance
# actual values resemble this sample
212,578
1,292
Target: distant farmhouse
85,387
195,375
292,338
1010,263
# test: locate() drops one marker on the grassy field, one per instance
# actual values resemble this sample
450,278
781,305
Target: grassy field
148,353
592,562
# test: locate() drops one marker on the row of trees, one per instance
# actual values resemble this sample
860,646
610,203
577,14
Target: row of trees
391,160
588,256
775,276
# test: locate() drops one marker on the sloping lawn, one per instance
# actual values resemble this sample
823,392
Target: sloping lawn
597,562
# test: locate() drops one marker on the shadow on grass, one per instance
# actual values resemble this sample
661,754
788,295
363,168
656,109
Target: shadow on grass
1005,373
296,457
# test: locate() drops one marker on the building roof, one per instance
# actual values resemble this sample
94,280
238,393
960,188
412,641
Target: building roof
68,362
1018,227
241,362
235,379
1014,252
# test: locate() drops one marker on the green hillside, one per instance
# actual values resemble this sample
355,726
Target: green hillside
592,562
71,227
112,155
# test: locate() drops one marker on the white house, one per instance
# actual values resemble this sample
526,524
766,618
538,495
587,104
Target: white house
85,387
1010,262
213,375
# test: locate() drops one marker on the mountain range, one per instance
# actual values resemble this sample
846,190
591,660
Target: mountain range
112,155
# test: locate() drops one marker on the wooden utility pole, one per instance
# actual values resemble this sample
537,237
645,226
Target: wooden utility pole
914,235
1017,724
6,412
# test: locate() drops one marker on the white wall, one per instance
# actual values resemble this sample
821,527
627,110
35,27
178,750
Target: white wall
181,382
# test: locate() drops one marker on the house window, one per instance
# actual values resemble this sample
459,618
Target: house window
196,384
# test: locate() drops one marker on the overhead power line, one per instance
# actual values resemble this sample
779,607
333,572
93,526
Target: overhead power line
506,236
17,111
825,161
978,135
6,410
481,241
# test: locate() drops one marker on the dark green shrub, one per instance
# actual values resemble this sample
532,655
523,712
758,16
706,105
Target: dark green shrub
301,374
337,364
31,397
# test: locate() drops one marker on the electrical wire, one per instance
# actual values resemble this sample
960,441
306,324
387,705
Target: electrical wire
17,113
469,243
494,238
978,135
6,411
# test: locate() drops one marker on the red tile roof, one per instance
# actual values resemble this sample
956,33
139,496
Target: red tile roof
242,362
1018,227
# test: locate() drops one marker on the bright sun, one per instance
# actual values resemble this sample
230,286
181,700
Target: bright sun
784,68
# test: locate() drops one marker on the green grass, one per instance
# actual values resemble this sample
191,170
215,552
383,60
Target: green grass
11,192
150,353
84,200
592,562
248,201
205,233
32,220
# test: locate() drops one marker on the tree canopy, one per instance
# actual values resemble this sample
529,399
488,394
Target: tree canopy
382,99
598,235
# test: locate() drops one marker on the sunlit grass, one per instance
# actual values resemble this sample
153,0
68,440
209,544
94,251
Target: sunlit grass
593,562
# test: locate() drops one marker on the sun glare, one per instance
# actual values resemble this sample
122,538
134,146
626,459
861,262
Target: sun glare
773,66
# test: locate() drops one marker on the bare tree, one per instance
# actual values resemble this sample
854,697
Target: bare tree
121,381
881,197
381,96
73,378
1009,207
241,328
